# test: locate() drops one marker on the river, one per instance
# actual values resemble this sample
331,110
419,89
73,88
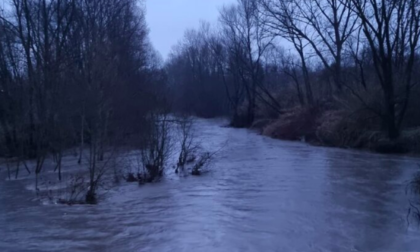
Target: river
261,194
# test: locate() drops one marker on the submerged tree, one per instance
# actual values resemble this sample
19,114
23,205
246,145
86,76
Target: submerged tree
74,72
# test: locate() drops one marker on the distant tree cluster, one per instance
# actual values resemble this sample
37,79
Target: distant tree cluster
267,56
195,74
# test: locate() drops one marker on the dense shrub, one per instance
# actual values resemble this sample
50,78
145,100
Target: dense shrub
411,139
260,124
350,130
337,129
295,124
387,146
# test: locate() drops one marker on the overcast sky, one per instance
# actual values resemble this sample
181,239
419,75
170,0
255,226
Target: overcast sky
168,19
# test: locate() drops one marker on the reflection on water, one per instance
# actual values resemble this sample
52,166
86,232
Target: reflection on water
262,195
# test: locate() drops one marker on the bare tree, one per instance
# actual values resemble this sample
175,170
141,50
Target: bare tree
73,69
188,146
322,25
157,146
391,30
291,67
248,42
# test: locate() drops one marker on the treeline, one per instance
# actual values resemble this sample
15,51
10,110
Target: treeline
81,74
75,73
343,67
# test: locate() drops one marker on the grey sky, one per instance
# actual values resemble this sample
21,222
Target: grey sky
168,19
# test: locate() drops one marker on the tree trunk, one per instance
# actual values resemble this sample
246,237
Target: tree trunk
82,140
393,131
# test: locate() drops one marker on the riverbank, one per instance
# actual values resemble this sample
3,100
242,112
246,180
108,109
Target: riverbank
335,128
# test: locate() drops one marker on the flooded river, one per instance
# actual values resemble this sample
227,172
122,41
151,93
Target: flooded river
261,194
